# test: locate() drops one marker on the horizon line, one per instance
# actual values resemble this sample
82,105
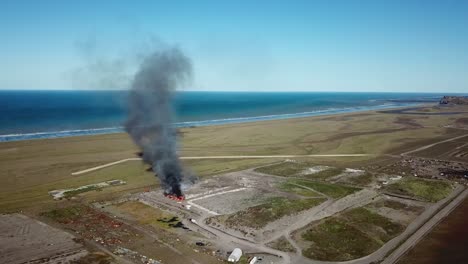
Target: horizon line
234,91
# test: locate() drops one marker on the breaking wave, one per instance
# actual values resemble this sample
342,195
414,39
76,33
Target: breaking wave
111,130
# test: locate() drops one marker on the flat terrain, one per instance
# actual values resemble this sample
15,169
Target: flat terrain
423,189
26,240
333,190
28,169
137,229
352,234
290,209
275,208
445,244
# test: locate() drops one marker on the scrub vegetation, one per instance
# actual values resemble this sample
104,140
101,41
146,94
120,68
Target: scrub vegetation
31,168
325,174
297,189
335,240
353,234
333,190
285,169
427,190
275,208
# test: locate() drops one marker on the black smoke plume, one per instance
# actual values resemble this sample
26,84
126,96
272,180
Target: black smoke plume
150,113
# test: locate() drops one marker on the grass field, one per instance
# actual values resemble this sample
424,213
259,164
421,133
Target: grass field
298,169
65,214
145,214
133,172
333,190
293,188
374,225
325,174
29,169
427,190
335,240
70,194
350,235
285,169
275,208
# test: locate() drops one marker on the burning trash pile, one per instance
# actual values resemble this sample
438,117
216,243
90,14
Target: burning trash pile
174,197
150,117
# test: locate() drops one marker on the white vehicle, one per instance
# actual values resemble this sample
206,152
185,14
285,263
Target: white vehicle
253,260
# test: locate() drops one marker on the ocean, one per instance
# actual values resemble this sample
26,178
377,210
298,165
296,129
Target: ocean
50,114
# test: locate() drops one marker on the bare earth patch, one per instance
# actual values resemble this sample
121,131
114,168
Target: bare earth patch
232,202
26,240
281,244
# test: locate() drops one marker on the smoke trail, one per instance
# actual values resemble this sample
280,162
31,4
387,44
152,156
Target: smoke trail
150,119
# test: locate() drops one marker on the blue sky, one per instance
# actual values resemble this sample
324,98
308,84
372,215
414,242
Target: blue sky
382,46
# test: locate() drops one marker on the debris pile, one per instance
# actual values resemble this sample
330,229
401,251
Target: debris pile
92,225
177,198
66,193
121,251
428,168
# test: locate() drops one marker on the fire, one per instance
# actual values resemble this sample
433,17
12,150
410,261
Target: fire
174,197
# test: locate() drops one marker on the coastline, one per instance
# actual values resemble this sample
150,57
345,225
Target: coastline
114,130
31,168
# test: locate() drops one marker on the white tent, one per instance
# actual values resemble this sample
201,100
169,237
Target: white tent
235,255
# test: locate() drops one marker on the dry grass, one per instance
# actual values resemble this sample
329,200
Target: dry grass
275,208
350,235
28,169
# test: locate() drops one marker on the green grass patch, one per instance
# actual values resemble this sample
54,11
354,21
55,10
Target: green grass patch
293,188
285,169
65,214
147,215
275,208
335,240
427,190
351,235
325,174
333,190
375,225
81,190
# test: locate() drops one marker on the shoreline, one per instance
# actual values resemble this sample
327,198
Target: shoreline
187,124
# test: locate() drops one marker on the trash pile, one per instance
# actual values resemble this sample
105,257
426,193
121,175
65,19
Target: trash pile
121,251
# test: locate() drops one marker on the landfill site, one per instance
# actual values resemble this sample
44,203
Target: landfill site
278,213
309,209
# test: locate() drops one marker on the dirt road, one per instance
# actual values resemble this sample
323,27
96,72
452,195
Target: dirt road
426,228
223,157
432,145
226,238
